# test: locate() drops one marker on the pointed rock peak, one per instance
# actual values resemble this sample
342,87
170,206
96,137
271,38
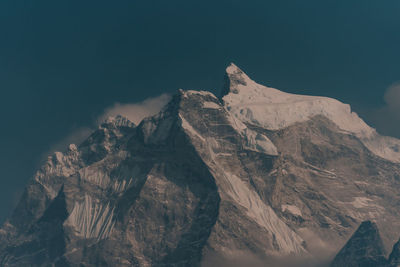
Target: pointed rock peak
234,78
72,148
57,210
364,248
368,226
232,69
394,258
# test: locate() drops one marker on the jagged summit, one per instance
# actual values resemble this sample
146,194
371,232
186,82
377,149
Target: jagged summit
119,121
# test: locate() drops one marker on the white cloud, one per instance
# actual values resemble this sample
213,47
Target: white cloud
392,97
386,119
136,112
76,136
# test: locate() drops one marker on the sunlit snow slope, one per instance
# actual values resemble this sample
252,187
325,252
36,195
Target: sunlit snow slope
273,109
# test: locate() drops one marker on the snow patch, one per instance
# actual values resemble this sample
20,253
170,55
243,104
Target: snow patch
253,141
236,123
258,142
211,105
224,154
189,129
361,202
292,209
91,219
156,129
103,180
121,186
320,171
57,165
72,148
288,241
95,176
193,92
49,190
274,110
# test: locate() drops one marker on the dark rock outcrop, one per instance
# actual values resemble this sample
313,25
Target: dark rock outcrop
394,257
364,249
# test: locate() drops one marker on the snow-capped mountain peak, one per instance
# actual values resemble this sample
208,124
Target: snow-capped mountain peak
262,173
267,107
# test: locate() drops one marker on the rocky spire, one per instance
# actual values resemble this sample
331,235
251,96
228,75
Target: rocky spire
364,248
234,76
394,258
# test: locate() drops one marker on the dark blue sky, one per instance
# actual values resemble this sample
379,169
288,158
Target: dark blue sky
63,62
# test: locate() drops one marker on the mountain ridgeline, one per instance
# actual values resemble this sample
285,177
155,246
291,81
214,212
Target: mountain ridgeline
256,176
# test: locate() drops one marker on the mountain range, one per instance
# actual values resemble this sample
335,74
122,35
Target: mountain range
252,177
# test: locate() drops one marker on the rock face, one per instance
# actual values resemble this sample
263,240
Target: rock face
255,172
364,248
394,258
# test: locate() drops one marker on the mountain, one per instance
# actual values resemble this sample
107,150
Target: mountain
364,249
255,175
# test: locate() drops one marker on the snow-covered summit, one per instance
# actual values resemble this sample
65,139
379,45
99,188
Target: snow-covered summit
273,109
